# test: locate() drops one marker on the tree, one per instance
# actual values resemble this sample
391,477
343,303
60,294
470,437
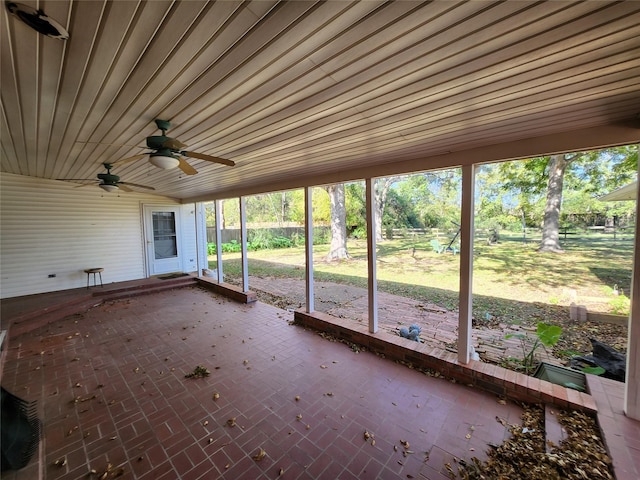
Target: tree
551,223
381,192
582,172
338,248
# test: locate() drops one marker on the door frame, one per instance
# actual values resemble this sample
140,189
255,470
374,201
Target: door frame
152,266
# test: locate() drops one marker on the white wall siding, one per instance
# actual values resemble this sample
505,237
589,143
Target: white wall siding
52,227
189,238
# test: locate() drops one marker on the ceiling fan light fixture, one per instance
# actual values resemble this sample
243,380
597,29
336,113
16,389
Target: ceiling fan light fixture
108,188
165,162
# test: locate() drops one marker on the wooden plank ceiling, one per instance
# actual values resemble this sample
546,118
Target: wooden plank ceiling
297,92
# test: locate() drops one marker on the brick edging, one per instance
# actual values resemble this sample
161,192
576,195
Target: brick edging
486,376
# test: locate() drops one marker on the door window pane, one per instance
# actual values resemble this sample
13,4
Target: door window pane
164,235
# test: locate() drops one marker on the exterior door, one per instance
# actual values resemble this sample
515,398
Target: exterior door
163,239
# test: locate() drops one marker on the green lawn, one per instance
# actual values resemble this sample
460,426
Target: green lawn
511,281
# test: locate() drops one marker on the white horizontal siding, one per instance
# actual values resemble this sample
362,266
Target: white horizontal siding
189,240
51,227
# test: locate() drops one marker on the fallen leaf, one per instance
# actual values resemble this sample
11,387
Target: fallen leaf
260,455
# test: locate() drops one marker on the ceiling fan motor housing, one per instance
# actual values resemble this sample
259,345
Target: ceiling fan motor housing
157,142
109,178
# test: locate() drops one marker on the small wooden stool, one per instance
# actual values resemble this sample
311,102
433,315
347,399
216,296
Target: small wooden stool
89,271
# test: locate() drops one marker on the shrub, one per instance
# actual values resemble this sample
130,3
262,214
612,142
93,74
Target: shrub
232,247
359,232
620,305
211,248
280,242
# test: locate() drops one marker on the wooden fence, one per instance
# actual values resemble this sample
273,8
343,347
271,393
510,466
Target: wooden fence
230,234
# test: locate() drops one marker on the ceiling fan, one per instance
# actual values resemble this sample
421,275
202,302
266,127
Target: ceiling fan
108,181
38,20
168,152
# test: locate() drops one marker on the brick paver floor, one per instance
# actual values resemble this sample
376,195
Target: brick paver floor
113,397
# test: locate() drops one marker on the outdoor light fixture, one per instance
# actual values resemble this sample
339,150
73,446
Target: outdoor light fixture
108,188
166,162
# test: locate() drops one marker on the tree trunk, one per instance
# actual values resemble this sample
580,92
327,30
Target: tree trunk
338,248
551,224
222,215
382,186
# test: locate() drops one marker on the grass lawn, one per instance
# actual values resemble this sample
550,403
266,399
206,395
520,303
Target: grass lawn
512,282
510,270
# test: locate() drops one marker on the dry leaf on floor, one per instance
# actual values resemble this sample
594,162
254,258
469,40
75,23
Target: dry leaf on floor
260,455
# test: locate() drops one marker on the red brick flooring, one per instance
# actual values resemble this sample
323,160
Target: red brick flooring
111,390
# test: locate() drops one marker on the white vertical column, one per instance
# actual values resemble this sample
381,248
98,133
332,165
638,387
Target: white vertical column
466,264
632,382
219,240
308,247
200,225
243,241
372,279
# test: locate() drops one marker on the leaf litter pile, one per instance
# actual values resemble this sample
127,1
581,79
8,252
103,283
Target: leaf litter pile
198,372
580,456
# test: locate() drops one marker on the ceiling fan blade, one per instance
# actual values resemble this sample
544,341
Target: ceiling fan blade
208,158
85,185
129,159
124,188
135,185
173,144
186,168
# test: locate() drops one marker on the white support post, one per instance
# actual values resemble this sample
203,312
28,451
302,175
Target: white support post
372,279
466,264
632,381
243,241
308,247
219,273
200,225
